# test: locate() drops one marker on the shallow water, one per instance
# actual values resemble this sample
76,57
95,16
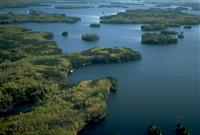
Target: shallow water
162,88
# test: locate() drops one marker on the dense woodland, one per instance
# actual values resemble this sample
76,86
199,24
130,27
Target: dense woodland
35,16
152,16
158,39
35,96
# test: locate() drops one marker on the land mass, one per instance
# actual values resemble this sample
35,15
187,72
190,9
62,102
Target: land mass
73,6
35,96
39,17
99,55
158,39
152,16
21,3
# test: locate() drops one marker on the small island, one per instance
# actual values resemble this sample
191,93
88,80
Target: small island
92,37
95,25
181,35
73,6
181,129
158,39
65,34
169,32
38,17
153,27
100,55
187,27
153,130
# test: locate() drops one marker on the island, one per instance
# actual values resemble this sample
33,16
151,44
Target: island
73,6
92,37
181,129
152,16
169,32
187,27
38,17
180,35
35,95
22,3
95,25
99,55
158,39
65,34
153,27
153,130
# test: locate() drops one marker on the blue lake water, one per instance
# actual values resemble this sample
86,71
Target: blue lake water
162,88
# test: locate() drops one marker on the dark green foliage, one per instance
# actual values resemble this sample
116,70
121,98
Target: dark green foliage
90,37
36,17
95,25
23,67
187,26
65,33
73,6
34,95
169,32
181,129
153,130
100,55
153,27
152,16
158,39
180,35
181,8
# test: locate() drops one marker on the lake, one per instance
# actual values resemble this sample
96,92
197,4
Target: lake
162,88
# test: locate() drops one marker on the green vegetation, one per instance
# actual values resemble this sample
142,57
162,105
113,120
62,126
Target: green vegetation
73,6
169,32
187,27
181,129
100,55
112,6
180,35
180,8
36,17
90,37
153,130
35,97
18,3
95,25
153,27
65,33
152,16
158,39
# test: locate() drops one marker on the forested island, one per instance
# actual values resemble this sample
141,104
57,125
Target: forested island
73,6
152,16
35,16
92,37
158,39
21,3
35,96
100,55
153,27
95,25
169,32
181,129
